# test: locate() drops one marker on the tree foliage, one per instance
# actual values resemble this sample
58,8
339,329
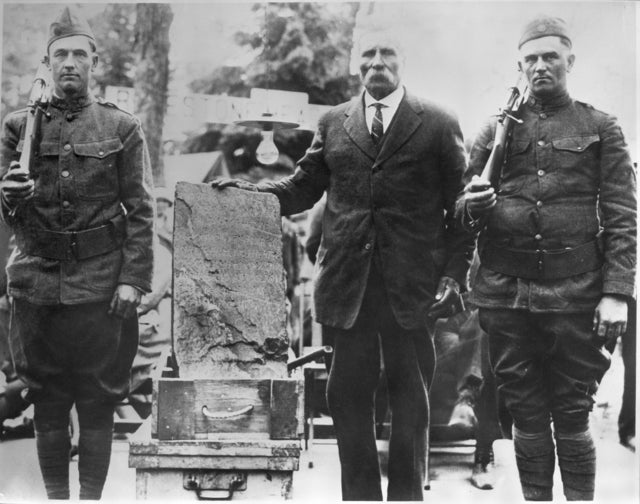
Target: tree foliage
303,47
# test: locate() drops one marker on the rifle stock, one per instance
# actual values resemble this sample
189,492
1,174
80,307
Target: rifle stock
507,118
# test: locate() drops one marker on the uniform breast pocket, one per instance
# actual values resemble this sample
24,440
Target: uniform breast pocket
569,151
513,178
576,160
97,177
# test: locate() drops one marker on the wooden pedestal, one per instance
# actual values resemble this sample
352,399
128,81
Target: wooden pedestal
225,469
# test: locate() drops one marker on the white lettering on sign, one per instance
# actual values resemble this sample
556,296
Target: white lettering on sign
190,111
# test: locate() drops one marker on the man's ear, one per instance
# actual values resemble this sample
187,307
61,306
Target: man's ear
520,66
46,61
95,62
570,61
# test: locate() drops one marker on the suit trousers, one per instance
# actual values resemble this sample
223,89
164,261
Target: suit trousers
408,357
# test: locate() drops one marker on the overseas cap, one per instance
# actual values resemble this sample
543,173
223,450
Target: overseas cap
545,26
69,22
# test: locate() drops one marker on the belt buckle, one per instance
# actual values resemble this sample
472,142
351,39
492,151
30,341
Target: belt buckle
72,250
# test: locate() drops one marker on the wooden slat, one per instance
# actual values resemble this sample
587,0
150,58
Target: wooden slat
240,463
266,447
284,409
176,403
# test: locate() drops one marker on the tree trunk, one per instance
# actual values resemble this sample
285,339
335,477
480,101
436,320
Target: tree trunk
152,77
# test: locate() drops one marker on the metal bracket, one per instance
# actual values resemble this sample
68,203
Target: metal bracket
214,485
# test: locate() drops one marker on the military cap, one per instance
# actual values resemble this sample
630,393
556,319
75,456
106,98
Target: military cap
545,26
68,23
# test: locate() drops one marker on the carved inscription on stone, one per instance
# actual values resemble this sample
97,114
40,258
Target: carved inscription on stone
229,314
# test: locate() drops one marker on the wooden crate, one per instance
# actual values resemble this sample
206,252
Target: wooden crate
219,409
192,470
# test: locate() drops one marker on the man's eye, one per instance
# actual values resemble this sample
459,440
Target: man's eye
368,54
387,52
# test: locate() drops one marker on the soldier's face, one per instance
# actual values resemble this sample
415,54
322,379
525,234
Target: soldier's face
380,64
546,62
71,61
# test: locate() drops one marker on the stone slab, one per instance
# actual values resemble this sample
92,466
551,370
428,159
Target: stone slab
229,312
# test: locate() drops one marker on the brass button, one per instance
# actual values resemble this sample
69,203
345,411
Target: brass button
367,246
539,204
101,152
66,204
541,143
543,116
64,173
540,173
67,147
538,237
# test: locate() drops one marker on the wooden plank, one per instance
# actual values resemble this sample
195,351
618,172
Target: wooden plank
263,448
284,409
176,403
199,462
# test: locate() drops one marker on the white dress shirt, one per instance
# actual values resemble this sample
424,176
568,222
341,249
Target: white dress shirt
392,102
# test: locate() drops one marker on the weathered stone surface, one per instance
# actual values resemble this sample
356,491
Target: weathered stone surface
229,313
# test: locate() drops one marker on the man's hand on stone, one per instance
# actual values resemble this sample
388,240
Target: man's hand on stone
610,318
479,197
448,300
125,301
16,186
222,183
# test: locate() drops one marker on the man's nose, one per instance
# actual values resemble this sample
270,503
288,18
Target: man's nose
69,61
540,65
377,61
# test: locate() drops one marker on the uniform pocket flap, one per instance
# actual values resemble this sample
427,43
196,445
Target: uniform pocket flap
575,144
100,149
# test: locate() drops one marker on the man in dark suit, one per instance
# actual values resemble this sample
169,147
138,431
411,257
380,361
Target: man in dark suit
390,260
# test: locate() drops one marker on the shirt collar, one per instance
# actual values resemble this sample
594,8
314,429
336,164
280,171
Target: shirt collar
392,100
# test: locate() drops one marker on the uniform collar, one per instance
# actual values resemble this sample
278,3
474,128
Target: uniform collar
75,103
553,103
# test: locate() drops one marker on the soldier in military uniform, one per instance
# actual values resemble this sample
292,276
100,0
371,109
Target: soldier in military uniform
558,250
83,224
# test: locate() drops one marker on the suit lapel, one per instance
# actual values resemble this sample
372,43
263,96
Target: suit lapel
356,127
404,124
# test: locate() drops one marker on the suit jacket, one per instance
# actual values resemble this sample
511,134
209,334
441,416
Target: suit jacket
396,200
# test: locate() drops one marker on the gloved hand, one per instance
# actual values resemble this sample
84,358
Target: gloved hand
448,300
125,301
16,186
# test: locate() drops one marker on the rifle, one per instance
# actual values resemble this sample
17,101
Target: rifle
507,118
38,99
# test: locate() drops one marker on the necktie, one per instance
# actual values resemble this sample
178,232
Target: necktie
376,127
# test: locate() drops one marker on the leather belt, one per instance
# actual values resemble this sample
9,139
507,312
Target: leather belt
542,264
68,245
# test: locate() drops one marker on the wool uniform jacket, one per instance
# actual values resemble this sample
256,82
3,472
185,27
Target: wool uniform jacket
92,168
396,200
